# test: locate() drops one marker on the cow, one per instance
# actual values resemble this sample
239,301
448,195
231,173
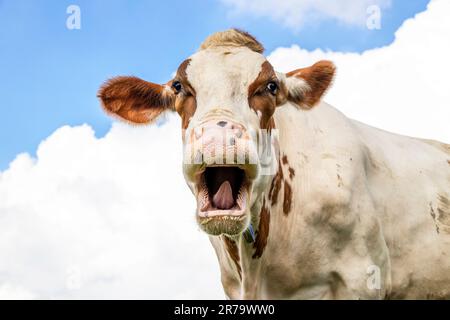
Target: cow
299,201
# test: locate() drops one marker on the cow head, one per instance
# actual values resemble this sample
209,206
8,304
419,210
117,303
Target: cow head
226,95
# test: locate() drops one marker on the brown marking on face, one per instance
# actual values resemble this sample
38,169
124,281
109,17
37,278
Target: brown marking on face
287,201
284,159
233,251
291,173
263,231
185,102
275,186
271,125
135,100
187,108
261,100
319,77
448,161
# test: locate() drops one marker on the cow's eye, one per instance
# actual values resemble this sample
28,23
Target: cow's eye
272,87
176,85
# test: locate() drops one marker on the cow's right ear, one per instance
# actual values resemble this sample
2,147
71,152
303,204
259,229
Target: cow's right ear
135,100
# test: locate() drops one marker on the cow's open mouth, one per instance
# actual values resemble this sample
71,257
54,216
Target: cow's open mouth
222,193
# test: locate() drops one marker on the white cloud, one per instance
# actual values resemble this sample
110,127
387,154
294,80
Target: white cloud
402,87
108,218
294,13
113,218
8,292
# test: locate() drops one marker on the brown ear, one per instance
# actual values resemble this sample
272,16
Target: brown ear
135,100
306,86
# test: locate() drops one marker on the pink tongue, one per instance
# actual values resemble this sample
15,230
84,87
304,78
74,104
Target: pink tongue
223,199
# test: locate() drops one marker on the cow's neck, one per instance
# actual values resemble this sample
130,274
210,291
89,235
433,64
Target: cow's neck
247,249
270,212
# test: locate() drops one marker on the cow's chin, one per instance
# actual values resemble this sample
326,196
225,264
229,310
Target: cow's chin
223,196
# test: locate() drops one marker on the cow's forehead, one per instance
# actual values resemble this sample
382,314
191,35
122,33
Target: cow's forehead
224,68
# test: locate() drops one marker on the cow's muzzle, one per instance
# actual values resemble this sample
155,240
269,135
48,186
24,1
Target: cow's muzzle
221,161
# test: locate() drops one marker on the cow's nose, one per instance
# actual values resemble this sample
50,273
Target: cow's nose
218,128
222,142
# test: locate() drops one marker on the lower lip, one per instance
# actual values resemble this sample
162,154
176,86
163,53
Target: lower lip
206,220
221,213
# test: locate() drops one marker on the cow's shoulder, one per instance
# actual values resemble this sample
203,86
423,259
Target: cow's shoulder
322,158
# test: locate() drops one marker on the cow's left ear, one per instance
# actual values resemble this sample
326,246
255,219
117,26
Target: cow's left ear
306,86
136,100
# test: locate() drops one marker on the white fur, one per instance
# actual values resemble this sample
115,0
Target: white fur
297,87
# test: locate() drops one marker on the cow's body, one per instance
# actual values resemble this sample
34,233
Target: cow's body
340,209
361,197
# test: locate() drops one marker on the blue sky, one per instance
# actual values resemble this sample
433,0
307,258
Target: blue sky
49,75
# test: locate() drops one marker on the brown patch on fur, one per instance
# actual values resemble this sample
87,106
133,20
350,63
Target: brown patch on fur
185,103
260,99
232,38
135,100
339,179
186,107
444,210
233,251
271,124
433,215
287,201
291,173
448,161
263,232
319,77
275,186
291,170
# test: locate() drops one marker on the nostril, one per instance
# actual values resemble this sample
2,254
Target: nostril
222,123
